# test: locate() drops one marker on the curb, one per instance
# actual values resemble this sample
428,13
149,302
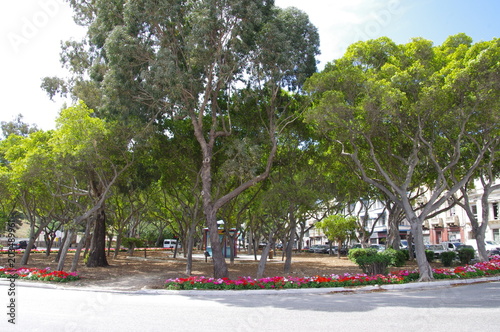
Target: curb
303,291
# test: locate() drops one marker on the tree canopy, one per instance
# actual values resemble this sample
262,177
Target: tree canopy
151,62
411,115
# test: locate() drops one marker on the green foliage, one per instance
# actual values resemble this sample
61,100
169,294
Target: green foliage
406,253
370,261
337,227
354,254
396,257
411,115
373,264
86,258
132,242
16,127
429,254
466,255
447,257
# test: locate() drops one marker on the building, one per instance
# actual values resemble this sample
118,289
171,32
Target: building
450,225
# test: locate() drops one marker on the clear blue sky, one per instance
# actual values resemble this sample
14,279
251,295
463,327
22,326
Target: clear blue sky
31,31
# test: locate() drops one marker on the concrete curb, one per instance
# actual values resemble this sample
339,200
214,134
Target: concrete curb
326,290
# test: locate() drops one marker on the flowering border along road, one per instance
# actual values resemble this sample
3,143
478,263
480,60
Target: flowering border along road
38,274
480,269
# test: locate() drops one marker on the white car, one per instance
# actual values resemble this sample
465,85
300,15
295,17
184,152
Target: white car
489,245
170,243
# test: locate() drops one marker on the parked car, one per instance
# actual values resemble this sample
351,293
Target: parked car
378,247
262,245
170,243
465,246
334,250
344,250
319,249
495,252
489,245
438,249
452,246
21,245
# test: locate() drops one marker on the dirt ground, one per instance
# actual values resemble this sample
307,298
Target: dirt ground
139,272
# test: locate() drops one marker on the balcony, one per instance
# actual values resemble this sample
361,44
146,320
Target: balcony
452,221
436,222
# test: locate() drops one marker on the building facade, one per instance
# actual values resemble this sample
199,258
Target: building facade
452,225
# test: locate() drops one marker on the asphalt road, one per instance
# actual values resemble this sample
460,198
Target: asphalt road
474,307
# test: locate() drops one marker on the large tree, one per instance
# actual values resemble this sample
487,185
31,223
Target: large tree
484,186
27,170
153,61
405,113
338,228
89,154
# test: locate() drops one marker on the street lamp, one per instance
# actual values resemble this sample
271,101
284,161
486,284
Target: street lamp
232,232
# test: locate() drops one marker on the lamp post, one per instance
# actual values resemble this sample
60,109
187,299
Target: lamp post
222,236
232,233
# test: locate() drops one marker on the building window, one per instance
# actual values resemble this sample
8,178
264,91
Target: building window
474,210
496,235
381,219
495,210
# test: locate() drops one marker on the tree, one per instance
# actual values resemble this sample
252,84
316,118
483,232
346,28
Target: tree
17,127
9,212
92,153
338,228
152,61
27,168
404,115
488,178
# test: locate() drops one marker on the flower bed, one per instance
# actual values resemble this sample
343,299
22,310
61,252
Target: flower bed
38,274
461,272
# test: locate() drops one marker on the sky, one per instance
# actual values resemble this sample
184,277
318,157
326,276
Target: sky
31,32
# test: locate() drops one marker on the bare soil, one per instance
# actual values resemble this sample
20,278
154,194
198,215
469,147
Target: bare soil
150,270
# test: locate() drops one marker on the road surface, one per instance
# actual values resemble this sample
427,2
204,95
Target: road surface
474,307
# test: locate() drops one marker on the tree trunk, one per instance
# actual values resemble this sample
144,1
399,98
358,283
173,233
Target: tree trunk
263,258
79,248
250,241
231,249
97,257
64,249
49,242
254,249
189,250
393,236
481,248
479,230
61,245
219,262
110,241
118,243
176,248
411,247
340,248
291,241
159,239
31,242
88,243
424,267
